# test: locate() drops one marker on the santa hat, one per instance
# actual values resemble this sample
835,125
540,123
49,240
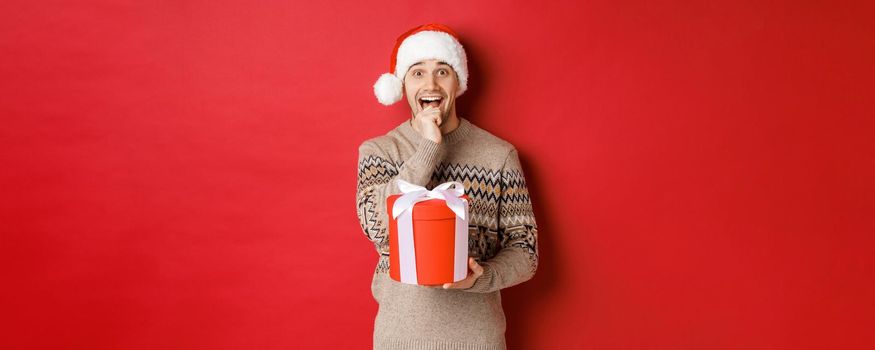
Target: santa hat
429,41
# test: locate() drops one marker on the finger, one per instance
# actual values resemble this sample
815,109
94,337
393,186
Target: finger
430,112
478,270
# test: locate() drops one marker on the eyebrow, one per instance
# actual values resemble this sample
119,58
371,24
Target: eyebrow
439,63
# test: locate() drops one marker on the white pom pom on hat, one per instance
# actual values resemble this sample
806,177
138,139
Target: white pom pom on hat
388,89
428,41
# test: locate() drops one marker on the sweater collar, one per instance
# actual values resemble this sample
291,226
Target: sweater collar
454,136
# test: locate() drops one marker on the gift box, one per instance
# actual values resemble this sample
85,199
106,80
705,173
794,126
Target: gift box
428,234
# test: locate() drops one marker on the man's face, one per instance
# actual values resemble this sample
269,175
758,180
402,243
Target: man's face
431,78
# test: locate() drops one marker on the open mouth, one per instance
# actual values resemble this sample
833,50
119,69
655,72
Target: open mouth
434,101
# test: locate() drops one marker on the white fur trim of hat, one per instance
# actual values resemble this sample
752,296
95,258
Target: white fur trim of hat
423,45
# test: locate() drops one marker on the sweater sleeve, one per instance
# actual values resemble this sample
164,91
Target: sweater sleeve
517,260
376,181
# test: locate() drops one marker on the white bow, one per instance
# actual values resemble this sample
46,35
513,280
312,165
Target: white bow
448,191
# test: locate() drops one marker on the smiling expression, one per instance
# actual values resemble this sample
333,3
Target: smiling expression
431,83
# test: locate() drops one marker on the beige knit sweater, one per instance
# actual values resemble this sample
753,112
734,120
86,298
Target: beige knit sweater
502,235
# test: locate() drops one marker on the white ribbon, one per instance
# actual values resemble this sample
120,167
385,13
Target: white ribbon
402,211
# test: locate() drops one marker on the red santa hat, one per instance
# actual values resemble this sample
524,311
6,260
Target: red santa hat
429,41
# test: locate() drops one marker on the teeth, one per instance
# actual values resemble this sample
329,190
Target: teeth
430,98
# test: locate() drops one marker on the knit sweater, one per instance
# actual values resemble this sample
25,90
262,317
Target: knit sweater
502,235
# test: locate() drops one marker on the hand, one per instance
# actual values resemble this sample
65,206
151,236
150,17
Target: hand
427,122
474,272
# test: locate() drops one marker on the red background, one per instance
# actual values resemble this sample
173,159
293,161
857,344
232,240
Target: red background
181,174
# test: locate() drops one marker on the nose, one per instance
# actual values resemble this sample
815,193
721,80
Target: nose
430,82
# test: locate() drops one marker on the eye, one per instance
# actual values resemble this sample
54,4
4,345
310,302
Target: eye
443,72
417,73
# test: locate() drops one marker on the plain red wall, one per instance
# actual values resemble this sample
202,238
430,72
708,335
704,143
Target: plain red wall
181,174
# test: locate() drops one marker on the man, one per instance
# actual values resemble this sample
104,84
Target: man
433,147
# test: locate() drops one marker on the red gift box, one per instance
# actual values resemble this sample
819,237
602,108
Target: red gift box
435,231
